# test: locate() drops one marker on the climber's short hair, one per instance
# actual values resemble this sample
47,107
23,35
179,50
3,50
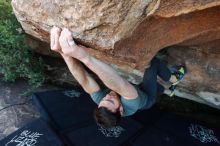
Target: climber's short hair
106,118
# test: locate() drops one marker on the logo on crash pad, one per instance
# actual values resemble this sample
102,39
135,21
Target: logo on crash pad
203,134
72,93
26,138
111,132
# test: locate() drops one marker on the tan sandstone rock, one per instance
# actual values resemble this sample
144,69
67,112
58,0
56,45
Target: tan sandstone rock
129,33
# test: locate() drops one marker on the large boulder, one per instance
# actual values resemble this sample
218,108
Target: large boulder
129,33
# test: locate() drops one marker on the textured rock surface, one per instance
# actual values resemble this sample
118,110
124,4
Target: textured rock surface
128,34
100,23
202,83
155,33
15,117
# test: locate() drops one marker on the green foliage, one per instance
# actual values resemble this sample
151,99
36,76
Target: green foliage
15,59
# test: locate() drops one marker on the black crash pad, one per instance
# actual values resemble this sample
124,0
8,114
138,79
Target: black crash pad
172,130
36,133
95,135
71,114
65,108
192,131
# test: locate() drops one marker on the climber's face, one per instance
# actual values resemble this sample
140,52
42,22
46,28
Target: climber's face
112,102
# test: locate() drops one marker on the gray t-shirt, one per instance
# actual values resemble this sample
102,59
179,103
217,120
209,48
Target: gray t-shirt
129,106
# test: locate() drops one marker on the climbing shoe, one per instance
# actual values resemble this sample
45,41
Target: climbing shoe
178,72
172,90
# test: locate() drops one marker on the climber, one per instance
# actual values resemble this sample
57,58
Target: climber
120,98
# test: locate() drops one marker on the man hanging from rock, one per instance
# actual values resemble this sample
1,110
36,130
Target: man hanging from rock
120,98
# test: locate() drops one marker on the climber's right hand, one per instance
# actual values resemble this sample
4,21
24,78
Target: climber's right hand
69,47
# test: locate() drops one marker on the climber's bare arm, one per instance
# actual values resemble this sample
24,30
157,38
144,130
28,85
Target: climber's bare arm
110,77
107,74
81,75
75,66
